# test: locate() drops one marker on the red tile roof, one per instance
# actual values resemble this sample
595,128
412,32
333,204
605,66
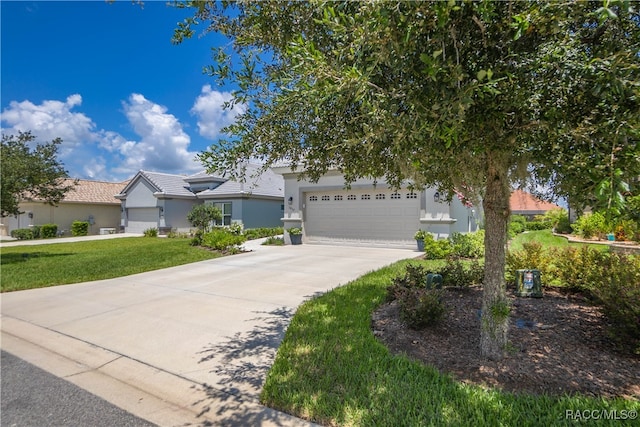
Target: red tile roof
522,201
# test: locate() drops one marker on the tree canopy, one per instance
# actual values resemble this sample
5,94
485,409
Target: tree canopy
467,96
30,174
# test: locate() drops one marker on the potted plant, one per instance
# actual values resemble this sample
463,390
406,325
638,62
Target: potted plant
420,236
295,234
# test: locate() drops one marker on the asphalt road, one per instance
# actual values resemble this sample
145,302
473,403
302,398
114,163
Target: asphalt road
33,397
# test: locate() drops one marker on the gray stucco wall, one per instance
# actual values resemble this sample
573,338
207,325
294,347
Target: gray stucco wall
259,212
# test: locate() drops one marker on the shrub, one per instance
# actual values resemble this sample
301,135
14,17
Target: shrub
419,305
468,245
273,241
420,308
626,229
80,228
197,238
415,276
619,296
536,225
563,226
591,225
436,249
532,256
258,233
222,239
202,216
48,231
150,232
22,234
461,274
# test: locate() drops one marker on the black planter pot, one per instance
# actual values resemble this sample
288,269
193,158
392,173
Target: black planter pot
296,239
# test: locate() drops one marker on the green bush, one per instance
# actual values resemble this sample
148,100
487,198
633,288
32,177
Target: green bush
258,233
80,228
532,256
48,231
222,239
619,296
626,229
150,232
468,245
421,308
22,234
197,238
461,274
563,226
536,225
592,225
273,241
436,249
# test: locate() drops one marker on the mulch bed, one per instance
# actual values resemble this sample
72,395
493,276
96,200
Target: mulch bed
558,345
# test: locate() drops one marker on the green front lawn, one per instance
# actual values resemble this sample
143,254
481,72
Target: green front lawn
331,369
27,267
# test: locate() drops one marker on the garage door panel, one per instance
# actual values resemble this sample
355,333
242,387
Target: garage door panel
140,219
354,216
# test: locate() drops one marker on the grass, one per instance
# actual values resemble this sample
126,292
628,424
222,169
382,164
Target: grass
28,267
547,239
330,369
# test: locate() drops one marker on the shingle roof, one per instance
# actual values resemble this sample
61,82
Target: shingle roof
522,201
100,192
169,184
265,184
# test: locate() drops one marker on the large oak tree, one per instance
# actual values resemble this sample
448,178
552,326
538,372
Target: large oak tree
28,173
467,96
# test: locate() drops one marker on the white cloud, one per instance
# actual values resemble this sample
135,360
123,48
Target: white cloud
163,145
50,120
211,113
104,154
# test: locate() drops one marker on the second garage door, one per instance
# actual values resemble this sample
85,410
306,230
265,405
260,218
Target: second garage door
362,216
140,219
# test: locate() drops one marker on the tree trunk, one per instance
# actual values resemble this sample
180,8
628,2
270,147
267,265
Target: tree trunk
494,322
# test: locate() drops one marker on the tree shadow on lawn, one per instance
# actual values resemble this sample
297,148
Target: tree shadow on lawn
20,257
241,365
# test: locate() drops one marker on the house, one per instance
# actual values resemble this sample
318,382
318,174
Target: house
523,203
369,213
90,201
163,201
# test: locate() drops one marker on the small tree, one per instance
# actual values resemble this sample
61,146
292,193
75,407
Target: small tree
26,173
202,216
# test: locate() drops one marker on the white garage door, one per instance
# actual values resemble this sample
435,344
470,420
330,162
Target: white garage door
362,216
141,219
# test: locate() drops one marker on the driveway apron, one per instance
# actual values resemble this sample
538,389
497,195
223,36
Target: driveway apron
189,344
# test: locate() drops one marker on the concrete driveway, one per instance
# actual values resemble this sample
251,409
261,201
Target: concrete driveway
188,345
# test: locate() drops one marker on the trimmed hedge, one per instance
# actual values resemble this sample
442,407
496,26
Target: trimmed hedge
80,228
48,231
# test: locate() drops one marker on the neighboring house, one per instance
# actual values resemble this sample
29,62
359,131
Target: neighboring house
163,201
368,214
91,201
523,203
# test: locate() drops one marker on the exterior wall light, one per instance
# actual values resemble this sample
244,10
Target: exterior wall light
436,197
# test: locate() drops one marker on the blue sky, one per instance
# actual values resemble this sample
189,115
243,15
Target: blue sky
106,79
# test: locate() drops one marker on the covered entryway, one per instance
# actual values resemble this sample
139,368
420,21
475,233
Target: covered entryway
371,216
140,219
